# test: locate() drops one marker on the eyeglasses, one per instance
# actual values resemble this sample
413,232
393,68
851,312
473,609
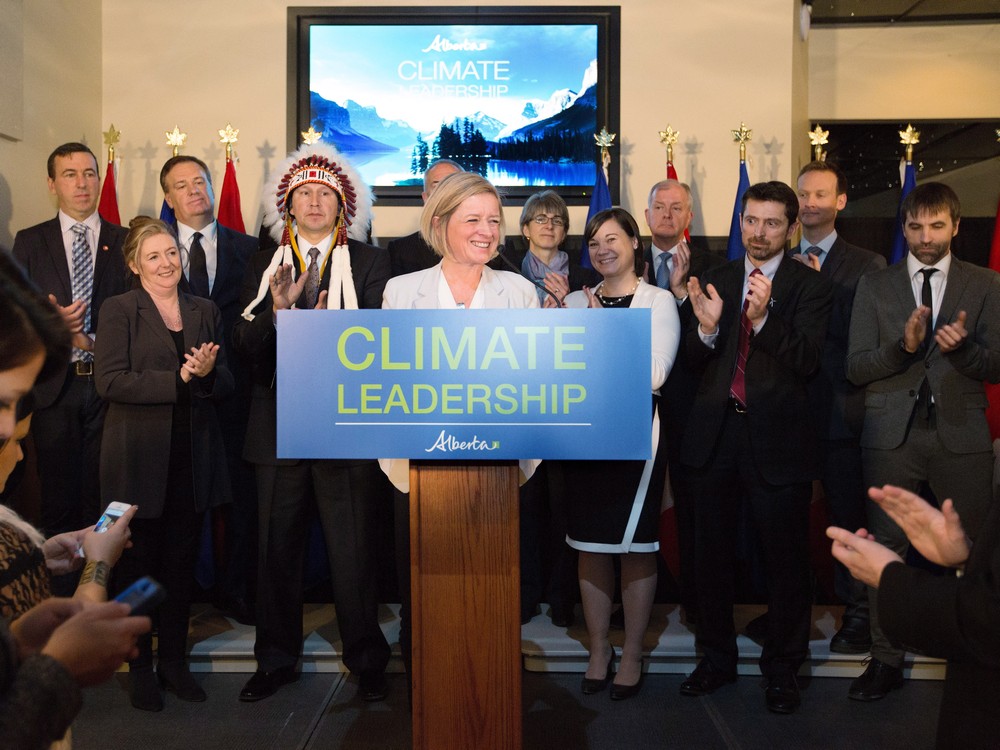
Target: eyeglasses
542,220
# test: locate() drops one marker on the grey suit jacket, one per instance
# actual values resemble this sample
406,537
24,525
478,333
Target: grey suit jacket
883,302
419,290
136,372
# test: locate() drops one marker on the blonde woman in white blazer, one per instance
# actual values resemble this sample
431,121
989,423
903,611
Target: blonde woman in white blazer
463,223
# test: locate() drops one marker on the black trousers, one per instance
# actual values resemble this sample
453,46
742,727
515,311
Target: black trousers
344,497
846,498
548,564
780,520
67,438
166,548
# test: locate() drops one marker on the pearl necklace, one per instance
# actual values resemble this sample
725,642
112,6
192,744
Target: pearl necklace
611,300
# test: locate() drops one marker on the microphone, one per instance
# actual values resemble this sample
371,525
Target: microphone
517,270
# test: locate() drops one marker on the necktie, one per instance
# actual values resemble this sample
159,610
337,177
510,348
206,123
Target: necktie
312,280
663,271
198,268
83,280
738,388
815,251
927,299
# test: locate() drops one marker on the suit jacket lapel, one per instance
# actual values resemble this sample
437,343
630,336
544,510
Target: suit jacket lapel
52,234
223,260
834,260
148,312
191,319
958,279
102,259
427,291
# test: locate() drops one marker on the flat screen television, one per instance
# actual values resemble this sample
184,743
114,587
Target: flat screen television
514,93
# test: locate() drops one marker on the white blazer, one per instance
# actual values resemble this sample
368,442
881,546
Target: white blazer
419,290
665,328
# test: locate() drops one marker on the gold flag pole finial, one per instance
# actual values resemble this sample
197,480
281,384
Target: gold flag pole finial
668,138
309,137
228,137
819,138
605,140
111,137
742,136
175,138
909,138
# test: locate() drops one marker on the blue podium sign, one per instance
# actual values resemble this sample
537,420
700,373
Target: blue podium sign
464,384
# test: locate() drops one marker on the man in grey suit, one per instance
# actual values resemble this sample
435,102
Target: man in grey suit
923,339
75,258
214,262
837,403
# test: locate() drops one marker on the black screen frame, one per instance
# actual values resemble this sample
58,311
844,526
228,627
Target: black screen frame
606,18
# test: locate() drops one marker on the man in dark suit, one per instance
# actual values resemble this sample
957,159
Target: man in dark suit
838,404
756,337
315,266
670,262
214,261
76,258
410,253
923,339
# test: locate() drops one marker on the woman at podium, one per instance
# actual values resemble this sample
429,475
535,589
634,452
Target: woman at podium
614,506
463,223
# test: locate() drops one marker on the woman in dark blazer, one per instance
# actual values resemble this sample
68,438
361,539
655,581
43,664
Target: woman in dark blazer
160,365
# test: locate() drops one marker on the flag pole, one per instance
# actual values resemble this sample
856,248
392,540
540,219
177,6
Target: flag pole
909,138
734,248
819,138
175,139
108,206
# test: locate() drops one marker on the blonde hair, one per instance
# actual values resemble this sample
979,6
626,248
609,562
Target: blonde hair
445,200
140,229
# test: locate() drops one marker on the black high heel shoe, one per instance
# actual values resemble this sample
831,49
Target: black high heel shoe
589,686
624,692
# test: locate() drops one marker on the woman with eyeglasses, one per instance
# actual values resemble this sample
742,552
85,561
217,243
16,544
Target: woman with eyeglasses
544,224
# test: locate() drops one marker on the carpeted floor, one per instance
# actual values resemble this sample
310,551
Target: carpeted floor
320,711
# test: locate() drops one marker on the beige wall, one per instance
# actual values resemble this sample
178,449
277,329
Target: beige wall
62,102
691,81
905,72
701,67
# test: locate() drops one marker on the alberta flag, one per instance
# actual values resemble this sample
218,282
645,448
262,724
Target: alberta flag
599,201
734,249
898,243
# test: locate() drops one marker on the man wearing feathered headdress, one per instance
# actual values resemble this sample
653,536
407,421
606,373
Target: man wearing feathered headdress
319,211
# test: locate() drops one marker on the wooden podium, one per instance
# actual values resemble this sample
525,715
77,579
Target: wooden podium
465,581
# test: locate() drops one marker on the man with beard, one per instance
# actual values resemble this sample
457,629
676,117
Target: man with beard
923,339
756,337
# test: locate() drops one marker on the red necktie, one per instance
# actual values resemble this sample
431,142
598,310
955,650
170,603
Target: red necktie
738,389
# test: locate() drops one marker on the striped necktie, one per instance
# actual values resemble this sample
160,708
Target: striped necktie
83,281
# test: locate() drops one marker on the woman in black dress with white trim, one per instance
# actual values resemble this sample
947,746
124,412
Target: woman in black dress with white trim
614,506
